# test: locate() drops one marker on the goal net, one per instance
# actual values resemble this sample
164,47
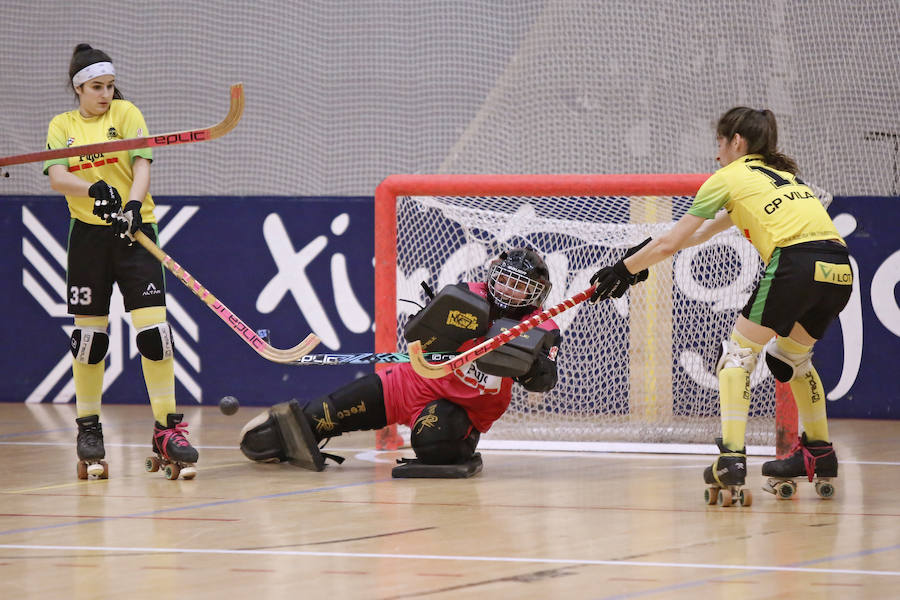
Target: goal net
634,370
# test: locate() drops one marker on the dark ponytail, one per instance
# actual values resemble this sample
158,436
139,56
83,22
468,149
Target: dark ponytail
84,55
760,130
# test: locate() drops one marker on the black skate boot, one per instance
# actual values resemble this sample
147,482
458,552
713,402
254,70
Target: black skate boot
173,453
726,478
89,447
815,460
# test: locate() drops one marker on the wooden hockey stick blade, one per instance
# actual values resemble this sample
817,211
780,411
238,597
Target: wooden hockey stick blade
235,110
441,369
245,332
364,358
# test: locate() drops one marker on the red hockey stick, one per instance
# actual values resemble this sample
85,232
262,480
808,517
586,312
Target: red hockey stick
437,370
235,111
289,356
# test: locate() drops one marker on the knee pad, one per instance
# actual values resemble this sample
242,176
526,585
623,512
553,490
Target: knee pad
786,365
89,344
734,355
155,342
443,434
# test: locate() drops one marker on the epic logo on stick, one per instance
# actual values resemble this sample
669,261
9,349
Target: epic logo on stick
181,138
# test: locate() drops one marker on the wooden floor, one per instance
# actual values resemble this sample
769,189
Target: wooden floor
531,525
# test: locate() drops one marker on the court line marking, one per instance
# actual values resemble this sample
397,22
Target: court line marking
763,571
94,482
438,557
40,432
368,454
194,506
704,509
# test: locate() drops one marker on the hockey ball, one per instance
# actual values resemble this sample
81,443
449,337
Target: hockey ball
229,405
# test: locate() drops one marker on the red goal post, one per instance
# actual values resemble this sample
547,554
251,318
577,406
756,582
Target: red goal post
649,203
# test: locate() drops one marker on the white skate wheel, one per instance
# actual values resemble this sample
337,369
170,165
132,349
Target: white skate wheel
824,489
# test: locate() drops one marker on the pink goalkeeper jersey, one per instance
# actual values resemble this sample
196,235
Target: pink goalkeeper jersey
484,397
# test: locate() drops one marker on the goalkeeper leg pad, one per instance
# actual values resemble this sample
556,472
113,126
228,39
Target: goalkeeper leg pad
413,468
356,406
282,434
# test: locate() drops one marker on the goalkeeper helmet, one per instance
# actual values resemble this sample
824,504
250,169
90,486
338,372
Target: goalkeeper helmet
518,282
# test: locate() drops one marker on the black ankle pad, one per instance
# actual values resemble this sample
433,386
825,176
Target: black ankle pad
300,446
410,468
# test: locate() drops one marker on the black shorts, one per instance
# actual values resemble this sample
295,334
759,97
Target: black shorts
97,259
808,283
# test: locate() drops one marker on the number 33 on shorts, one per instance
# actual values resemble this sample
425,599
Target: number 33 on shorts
79,295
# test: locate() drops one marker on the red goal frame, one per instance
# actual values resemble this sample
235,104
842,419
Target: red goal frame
394,186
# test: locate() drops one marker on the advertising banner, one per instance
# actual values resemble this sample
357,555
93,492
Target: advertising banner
295,266
289,265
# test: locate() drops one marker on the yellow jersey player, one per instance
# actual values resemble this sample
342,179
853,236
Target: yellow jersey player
100,254
806,284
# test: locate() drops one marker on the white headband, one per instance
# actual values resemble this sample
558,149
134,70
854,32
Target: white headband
92,71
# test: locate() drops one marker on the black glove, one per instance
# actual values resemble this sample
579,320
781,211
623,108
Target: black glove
611,282
107,200
541,377
128,221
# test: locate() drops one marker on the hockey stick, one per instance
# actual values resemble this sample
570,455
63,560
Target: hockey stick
289,356
235,110
437,370
364,358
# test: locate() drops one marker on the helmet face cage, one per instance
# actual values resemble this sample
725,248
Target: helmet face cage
518,280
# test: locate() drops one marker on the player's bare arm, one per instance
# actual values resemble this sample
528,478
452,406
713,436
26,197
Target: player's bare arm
665,245
141,185
710,228
67,183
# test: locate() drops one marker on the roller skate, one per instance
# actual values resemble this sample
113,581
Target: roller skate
89,447
815,460
173,453
726,478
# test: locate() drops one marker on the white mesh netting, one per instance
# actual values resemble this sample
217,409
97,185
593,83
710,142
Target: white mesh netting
342,94
637,369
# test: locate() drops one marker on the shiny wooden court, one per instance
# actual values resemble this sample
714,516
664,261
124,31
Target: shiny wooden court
531,525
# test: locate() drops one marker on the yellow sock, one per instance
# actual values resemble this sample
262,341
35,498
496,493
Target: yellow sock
159,375
734,397
88,378
808,394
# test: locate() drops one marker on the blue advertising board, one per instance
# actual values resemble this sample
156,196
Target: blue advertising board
295,265
289,265
857,355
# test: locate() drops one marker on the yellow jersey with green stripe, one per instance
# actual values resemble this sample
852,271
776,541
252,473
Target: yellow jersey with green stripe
772,208
122,120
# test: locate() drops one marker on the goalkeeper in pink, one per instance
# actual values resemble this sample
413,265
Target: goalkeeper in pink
446,415
807,282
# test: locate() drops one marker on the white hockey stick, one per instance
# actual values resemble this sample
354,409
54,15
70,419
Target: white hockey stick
246,333
441,369
235,110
